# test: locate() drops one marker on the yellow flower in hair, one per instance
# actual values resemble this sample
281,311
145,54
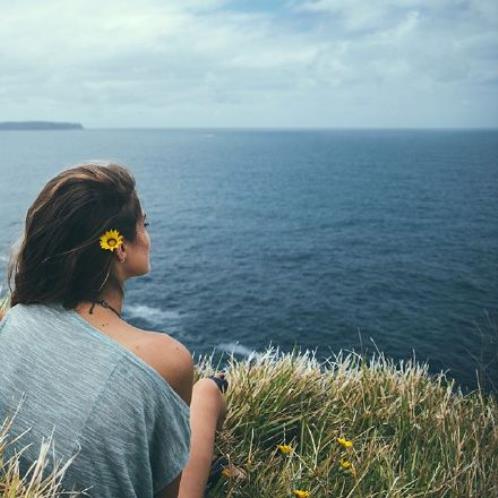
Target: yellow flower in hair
111,240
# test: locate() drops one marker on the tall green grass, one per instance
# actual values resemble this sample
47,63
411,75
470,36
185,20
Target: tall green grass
413,435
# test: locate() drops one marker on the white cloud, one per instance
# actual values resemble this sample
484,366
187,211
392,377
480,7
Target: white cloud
201,63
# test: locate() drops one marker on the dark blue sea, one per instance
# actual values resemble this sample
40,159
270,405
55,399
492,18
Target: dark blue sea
321,240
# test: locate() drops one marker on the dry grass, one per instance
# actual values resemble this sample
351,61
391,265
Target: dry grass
413,434
35,484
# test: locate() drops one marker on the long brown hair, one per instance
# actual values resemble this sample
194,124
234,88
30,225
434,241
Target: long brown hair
60,258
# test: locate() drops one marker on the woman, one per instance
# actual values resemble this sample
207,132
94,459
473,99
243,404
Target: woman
118,397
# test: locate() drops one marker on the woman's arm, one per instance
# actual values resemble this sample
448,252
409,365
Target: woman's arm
207,412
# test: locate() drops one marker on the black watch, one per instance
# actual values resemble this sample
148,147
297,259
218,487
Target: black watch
222,383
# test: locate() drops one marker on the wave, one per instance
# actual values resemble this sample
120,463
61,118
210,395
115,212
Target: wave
152,314
236,348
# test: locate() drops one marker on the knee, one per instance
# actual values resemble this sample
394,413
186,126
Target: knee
207,397
206,386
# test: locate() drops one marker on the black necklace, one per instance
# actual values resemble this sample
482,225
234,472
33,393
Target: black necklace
105,304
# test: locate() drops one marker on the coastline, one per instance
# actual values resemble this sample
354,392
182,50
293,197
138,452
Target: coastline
38,125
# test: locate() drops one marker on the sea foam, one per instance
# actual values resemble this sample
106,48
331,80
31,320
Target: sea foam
236,348
152,314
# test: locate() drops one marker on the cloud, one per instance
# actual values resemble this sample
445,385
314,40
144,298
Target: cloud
201,63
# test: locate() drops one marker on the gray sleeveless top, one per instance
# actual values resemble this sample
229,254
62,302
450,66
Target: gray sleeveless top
127,428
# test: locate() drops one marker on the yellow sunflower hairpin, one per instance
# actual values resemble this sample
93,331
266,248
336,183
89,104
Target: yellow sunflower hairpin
110,240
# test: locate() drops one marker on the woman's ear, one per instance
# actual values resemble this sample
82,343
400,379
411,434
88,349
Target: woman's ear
121,253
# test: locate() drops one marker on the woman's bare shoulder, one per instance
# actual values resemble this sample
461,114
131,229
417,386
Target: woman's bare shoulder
171,359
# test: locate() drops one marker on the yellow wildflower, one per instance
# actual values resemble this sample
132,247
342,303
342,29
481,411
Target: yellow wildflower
285,449
345,464
346,443
111,240
299,493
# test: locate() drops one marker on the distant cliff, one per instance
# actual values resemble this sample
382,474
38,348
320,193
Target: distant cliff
39,125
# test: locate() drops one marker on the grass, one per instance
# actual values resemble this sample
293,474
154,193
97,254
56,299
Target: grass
36,484
413,434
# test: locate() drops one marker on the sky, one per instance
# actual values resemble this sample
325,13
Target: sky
269,64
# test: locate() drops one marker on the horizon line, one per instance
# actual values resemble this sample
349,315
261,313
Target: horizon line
252,128
291,128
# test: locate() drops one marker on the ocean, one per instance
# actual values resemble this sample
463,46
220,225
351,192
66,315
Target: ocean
326,240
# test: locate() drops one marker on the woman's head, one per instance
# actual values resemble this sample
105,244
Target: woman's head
60,258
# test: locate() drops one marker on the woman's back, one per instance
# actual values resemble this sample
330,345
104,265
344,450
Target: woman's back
124,399
129,428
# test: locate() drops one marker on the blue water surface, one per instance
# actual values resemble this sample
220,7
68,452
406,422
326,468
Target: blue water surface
324,240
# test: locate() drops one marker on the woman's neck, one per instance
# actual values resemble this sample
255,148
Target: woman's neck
113,303
114,300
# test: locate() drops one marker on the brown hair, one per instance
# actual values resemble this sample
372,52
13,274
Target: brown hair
60,258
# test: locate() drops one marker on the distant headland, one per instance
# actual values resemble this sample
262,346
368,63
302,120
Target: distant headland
39,125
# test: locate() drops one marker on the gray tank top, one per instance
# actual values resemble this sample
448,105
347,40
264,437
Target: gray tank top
127,428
